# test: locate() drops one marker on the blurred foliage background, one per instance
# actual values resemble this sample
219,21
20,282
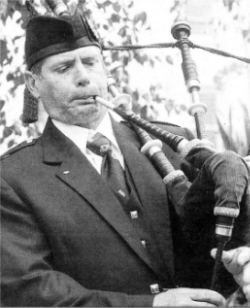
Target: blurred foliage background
152,76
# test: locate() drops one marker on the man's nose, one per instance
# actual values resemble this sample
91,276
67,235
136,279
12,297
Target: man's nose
81,75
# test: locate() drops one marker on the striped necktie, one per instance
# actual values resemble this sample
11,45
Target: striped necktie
111,169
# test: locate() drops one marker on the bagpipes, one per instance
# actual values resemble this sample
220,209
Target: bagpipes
222,185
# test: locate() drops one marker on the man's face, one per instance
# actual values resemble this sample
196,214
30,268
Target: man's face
68,84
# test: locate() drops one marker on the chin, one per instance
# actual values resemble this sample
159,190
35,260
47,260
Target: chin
89,119
89,123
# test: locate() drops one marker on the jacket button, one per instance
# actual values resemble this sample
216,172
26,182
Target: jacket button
134,214
154,288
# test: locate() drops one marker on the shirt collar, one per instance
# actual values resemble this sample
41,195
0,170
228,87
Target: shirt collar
80,135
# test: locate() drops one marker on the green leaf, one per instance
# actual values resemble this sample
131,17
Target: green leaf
170,60
2,102
116,7
115,18
7,132
140,17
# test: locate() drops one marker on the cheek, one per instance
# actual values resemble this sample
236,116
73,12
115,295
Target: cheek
55,94
103,85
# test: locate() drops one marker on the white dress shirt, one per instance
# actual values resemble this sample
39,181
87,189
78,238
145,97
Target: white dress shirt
80,135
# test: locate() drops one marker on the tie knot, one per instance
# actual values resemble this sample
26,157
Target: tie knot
100,145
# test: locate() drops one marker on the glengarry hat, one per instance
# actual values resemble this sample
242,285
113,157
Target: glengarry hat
47,35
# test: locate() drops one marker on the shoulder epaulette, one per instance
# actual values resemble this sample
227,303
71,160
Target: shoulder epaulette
29,142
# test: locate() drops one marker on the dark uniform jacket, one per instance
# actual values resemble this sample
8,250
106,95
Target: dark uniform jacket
66,241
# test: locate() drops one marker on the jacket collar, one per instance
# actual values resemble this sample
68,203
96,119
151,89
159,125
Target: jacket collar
55,144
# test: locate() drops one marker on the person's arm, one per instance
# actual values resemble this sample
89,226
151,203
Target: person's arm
28,274
237,262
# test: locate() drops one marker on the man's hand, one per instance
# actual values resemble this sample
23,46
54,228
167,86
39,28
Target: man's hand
189,297
237,262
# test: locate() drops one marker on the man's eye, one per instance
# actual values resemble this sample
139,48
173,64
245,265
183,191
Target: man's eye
89,63
62,69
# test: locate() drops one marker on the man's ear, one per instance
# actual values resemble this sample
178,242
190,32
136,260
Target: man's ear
31,83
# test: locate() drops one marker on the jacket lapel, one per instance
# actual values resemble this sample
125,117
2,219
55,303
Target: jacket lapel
77,172
150,189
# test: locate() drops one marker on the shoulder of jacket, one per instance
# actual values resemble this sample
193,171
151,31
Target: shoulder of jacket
170,127
27,143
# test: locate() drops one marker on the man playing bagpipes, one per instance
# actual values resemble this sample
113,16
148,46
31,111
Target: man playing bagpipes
86,220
